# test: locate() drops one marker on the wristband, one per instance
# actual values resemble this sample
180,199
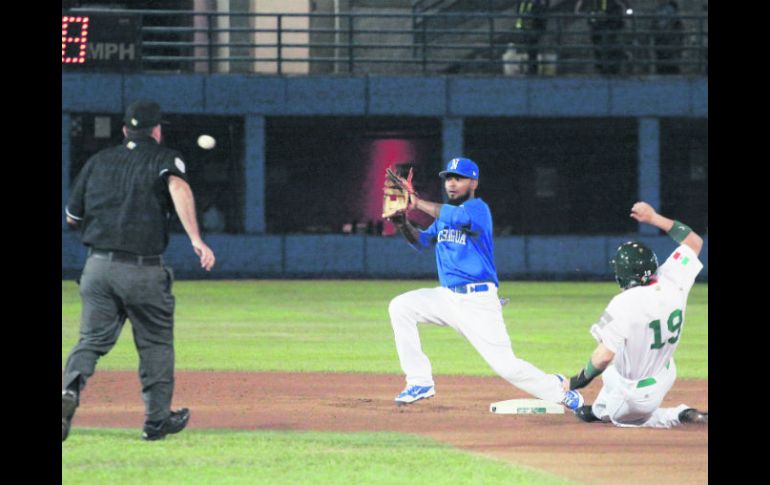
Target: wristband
679,231
585,376
592,371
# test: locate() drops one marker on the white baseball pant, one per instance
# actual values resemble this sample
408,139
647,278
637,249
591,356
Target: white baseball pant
476,316
624,404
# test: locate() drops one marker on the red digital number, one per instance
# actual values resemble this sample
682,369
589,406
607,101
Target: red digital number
73,43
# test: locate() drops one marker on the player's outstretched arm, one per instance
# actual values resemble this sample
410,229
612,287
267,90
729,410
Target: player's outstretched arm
410,233
600,359
184,203
679,232
431,208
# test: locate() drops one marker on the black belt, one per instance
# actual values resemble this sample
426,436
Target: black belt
124,257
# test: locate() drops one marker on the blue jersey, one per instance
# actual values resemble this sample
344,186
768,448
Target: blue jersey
463,238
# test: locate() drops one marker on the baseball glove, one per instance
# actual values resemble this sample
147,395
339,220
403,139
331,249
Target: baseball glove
396,194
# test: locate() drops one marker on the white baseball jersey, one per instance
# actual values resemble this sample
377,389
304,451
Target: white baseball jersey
643,325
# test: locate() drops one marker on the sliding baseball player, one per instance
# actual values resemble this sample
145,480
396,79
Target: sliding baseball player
640,330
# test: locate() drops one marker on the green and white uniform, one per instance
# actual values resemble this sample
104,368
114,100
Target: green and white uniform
643,326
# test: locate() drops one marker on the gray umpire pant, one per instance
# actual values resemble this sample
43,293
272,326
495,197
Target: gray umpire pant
110,292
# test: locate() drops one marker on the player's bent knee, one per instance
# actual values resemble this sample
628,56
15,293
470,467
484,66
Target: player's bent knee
399,307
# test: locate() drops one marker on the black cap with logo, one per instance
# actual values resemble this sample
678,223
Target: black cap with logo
142,113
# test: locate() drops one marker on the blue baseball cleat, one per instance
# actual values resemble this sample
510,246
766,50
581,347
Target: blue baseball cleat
573,400
415,393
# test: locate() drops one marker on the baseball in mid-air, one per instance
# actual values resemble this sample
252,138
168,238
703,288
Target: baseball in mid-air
207,142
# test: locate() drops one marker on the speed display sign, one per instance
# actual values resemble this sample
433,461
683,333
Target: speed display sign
100,41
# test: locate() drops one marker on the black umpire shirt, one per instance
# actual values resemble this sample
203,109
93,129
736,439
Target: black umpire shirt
121,198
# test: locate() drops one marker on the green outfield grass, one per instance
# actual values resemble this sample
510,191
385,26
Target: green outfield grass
343,326
339,326
269,457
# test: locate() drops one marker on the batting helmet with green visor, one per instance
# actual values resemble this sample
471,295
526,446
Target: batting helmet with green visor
634,264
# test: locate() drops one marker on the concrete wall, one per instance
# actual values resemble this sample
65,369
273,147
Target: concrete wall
448,98
318,51
294,23
330,256
374,39
382,95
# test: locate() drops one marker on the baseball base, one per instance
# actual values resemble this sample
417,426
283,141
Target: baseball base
526,406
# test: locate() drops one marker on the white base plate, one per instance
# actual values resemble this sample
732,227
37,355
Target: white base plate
526,406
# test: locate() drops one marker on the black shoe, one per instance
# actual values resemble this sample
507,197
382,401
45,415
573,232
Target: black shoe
691,415
584,413
175,423
69,402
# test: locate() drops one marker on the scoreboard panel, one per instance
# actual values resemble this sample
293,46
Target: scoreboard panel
100,41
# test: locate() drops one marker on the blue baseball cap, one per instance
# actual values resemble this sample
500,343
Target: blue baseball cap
461,166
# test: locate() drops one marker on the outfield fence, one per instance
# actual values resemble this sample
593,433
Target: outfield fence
360,256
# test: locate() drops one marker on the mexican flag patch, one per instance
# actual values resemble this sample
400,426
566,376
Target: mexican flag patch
684,260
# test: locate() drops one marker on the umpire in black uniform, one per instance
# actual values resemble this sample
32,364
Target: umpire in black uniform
122,201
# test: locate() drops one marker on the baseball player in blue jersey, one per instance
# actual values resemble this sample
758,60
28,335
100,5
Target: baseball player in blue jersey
467,299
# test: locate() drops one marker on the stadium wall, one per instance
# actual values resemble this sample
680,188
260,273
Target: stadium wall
359,256
256,254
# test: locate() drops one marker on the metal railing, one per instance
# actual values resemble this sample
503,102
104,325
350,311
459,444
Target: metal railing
428,6
410,43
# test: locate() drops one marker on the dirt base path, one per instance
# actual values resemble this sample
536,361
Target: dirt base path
458,415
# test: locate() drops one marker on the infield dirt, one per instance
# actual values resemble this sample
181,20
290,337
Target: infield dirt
458,415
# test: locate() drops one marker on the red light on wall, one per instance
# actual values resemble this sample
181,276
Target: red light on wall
82,39
382,154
